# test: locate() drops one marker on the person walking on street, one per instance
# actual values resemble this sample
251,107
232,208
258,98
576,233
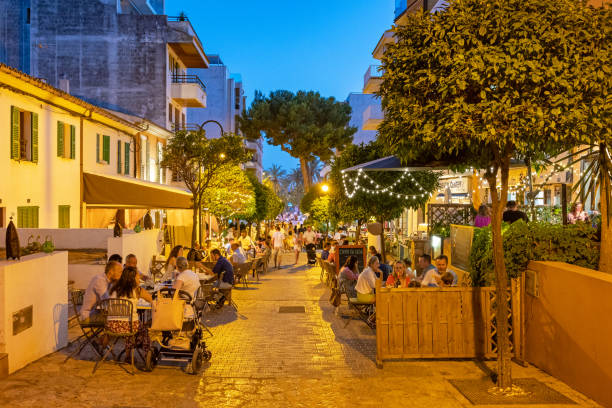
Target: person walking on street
278,239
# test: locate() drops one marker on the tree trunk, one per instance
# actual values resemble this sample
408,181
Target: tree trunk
237,228
305,174
605,250
194,230
504,368
358,232
382,241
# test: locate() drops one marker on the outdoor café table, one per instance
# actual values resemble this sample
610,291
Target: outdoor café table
144,311
206,278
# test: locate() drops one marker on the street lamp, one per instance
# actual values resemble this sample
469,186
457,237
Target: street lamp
221,156
325,190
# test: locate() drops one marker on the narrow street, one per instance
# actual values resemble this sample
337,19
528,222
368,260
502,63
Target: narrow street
263,358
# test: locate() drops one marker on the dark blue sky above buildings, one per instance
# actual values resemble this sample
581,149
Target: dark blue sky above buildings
323,45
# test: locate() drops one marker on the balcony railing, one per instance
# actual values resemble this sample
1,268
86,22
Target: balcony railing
178,18
372,79
188,79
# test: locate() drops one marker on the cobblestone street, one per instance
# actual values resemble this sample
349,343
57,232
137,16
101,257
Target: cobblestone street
263,358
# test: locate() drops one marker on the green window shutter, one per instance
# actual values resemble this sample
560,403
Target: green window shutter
119,156
21,214
72,142
60,139
15,130
35,141
106,148
34,217
64,216
126,152
98,148
148,162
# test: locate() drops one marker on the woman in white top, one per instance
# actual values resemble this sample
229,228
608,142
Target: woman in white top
127,287
366,283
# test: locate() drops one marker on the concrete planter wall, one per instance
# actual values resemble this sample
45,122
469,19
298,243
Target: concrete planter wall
38,281
64,238
568,326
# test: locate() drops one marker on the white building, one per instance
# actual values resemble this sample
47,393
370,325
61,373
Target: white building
69,164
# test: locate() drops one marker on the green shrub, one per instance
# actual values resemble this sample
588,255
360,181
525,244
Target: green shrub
538,241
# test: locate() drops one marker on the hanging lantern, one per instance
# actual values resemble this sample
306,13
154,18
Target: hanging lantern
13,250
148,221
117,231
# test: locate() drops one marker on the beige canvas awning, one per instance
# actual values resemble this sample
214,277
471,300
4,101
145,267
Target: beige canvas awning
120,192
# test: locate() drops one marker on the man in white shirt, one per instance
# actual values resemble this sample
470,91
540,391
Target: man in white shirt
309,236
278,238
238,255
97,289
430,273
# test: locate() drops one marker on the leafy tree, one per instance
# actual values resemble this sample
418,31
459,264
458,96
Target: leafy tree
485,81
276,174
319,212
229,193
196,161
384,206
305,125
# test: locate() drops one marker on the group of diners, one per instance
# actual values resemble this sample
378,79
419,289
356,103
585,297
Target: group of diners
362,284
125,281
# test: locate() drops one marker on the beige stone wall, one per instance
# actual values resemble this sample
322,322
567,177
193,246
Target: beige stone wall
569,327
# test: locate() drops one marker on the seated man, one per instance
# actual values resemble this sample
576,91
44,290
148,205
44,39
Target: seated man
442,264
186,280
97,290
228,246
238,256
224,271
246,242
325,252
429,276
132,261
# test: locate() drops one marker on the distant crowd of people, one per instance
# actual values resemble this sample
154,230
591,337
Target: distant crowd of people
513,214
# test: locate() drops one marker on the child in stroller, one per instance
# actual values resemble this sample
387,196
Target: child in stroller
180,346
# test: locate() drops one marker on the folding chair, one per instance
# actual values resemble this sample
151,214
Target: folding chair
203,298
117,309
241,273
90,329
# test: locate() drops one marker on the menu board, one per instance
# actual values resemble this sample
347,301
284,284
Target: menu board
344,251
461,245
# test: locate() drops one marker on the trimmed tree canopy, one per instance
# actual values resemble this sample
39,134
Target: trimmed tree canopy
305,125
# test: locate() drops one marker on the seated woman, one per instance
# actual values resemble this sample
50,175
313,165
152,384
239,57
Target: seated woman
366,283
399,278
349,273
127,287
171,271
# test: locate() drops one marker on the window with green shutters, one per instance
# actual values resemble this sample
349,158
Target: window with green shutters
63,216
24,135
126,151
27,217
103,149
66,140
119,156
106,148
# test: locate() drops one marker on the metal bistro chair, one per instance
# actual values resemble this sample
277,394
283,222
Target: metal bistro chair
204,296
331,273
117,309
365,312
241,273
320,263
228,292
90,330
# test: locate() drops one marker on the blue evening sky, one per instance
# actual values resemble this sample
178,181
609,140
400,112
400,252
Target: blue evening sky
322,45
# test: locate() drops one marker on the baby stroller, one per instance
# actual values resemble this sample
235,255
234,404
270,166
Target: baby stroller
311,254
192,351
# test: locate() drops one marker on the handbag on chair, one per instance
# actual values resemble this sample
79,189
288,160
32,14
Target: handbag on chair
167,313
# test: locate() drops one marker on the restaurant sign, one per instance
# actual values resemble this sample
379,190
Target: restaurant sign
457,185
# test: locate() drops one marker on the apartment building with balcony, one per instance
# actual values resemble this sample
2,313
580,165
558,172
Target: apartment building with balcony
124,55
226,102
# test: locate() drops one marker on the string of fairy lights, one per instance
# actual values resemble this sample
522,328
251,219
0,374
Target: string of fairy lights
352,184
376,188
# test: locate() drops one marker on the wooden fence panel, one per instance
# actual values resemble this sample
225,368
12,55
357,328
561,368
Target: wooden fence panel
442,322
